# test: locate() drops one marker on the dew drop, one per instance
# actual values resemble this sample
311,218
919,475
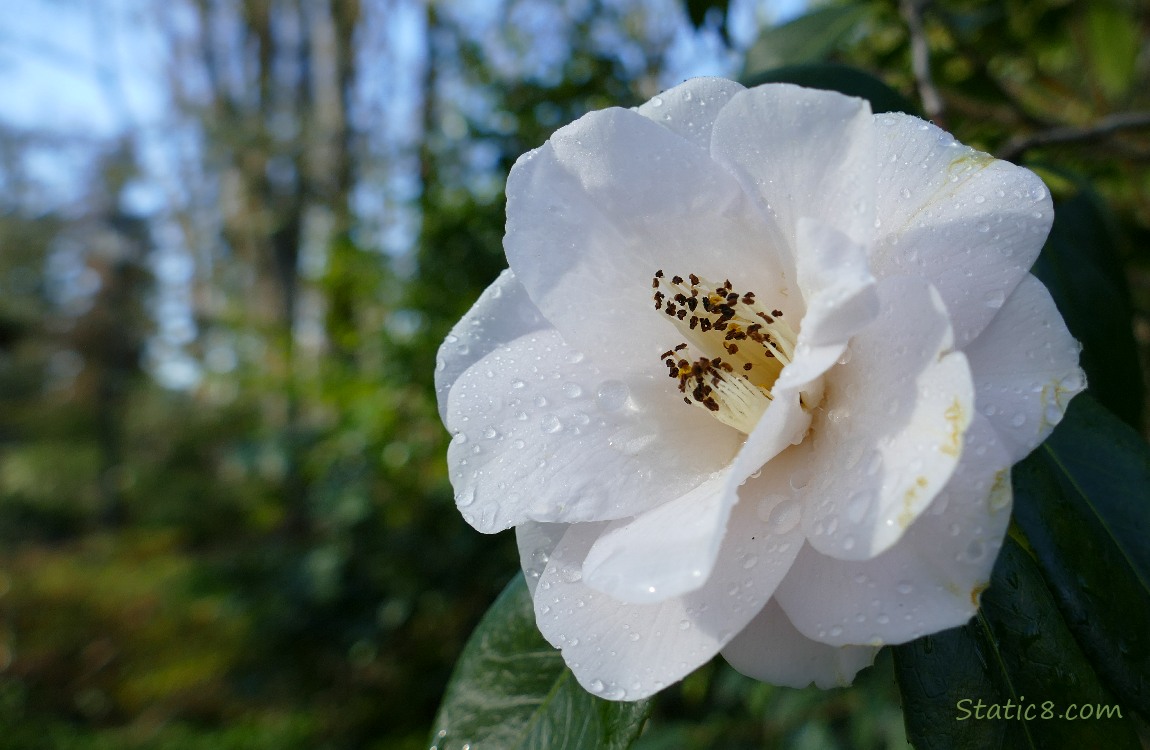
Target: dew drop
858,505
518,384
572,390
1018,420
465,498
550,424
634,637
750,562
596,686
657,102
541,401
786,516
612,395
904,587
905,192
994,299
684,624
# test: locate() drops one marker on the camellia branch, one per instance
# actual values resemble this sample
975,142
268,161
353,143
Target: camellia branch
932,103
1018,145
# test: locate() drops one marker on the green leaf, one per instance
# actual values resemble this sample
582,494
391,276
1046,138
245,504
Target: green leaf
841,78
1080,265
511,690
1083,501
1112,44
936,672
1015,657
808,38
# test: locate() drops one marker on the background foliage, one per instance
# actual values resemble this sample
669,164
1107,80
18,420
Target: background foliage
224,513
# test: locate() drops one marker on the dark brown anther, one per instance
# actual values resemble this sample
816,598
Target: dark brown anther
777,313
676,279
694,280
747,367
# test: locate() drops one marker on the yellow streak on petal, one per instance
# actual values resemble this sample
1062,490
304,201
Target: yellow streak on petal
957,420
976,592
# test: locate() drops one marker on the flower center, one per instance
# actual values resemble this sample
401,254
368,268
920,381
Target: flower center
735,347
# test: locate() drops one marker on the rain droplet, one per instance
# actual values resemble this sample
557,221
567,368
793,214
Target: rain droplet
684,624
596,686
750,562
465,498
904,587
550,424
786,515
858,504
994,299
905,192
572,390
657,102
1018,420
518,384
541,401
612,395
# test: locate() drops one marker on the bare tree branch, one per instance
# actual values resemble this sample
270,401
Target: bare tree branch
1103,128
932,104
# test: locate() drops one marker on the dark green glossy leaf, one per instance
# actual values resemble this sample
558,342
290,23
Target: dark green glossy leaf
935,673
1081,267
808,38
1015,658
841,78
512,691
1083,501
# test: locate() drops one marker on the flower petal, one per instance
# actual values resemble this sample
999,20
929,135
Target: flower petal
1025,366
542,433
536,542
772,650
804,154
604,204
671,550
502,313
890,430
970,224
930,580
690,108
621,650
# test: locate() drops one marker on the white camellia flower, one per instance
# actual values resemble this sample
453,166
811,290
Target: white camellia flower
754,382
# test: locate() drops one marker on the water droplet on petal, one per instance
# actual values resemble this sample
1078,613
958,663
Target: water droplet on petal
572,390
550,424
904,587
785,516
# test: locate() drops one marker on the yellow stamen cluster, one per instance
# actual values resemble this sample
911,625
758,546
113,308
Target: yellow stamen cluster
743,347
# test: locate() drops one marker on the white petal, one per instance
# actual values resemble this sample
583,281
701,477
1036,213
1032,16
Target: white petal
620,650
536,542
1025,366
671,550
836,283
890,430
665,552
802,153
542,433
772,650
604,204
930,580
690,108
502,313
968,223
